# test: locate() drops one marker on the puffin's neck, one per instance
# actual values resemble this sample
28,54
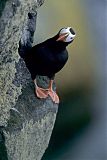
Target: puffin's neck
58,45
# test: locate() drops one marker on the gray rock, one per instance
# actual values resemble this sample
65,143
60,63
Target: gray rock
26,122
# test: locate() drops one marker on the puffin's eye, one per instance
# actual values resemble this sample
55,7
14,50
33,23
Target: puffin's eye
71,30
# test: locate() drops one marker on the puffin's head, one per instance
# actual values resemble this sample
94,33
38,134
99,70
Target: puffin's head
66,35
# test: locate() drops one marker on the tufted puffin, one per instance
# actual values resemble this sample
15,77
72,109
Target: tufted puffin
48,58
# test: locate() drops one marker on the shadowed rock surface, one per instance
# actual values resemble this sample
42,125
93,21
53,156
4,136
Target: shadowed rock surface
26,122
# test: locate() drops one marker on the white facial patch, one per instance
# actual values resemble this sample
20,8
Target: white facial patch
70,36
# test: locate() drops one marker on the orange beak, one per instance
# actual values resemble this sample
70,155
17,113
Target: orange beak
62,37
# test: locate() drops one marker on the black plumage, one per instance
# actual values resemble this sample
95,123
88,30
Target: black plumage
46,58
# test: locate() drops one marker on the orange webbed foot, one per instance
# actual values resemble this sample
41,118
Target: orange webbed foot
41,93
53,96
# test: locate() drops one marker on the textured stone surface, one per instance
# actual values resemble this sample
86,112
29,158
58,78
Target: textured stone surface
26,122
12,20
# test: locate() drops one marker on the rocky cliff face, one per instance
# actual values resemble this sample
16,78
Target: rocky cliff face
26,122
